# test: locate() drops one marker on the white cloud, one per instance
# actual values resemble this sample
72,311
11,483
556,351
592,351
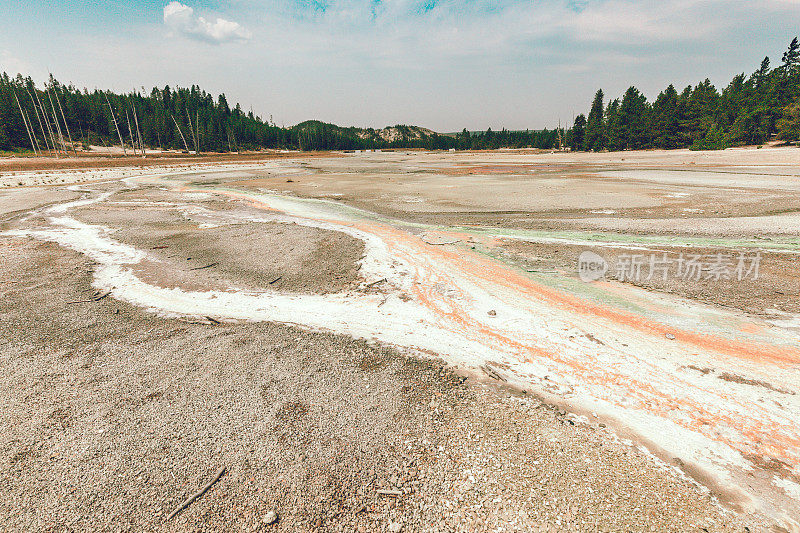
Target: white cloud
12,65
444,64
182,19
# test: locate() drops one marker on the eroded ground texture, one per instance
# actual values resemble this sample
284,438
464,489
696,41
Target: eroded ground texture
386,341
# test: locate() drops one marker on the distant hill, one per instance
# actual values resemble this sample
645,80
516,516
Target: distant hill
398,133
314,133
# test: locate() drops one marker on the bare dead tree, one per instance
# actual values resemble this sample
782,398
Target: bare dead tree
58,126
179,131
138,132
47,121
197,127
39,119
114,117
25,122
191,129
36,149
130,131
58,100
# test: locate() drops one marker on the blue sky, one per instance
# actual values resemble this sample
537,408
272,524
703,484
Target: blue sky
444,64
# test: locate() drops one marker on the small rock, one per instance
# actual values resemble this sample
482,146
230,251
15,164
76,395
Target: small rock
492,313
395,527
270,518
670,336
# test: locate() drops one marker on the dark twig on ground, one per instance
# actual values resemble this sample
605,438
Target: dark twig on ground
204,267
196,495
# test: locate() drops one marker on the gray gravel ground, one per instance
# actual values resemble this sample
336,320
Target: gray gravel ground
23,200
199,248
112,416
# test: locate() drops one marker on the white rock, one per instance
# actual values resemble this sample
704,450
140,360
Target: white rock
270,518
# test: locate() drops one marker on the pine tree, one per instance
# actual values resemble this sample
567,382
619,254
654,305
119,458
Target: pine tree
578,133
664,119
791,57
595,134
633,118
700,110
713,140
789,125
613,132
761,74
789,85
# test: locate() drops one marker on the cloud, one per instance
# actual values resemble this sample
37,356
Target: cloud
444,64
584,35
182,19
12,65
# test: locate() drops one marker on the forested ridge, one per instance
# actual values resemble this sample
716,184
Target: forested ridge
749,110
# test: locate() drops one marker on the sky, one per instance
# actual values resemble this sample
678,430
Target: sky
441,64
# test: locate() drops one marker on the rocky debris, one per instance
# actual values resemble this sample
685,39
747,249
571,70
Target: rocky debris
310,423
438,239
270,518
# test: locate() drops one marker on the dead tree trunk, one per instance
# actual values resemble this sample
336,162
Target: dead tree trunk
58,124
191,129
138,132
39,119
25,122
114,117
130,131
69,135
47,122
179,131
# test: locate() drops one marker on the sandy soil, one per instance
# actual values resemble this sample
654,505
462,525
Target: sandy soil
509,190
113,416
773,294
195,246
116,414
18,201
100,160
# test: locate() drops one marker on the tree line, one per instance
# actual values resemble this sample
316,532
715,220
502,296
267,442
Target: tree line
179,118
59,117
750,110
